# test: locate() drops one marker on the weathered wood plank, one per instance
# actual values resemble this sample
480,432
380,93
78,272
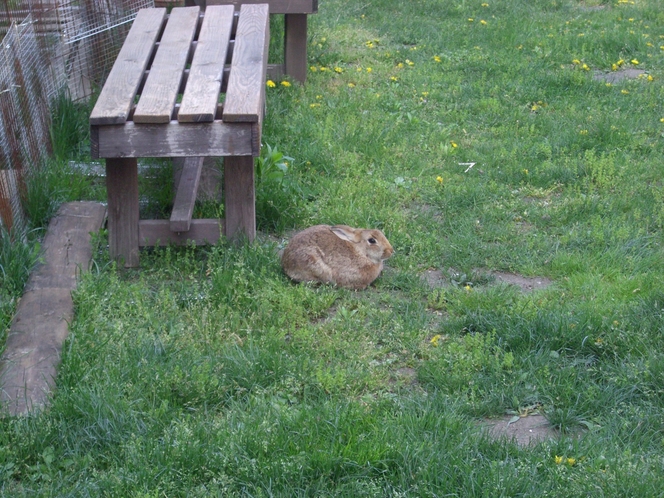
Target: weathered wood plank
276,6
161,87
239,197
215,139
199,102
186,193
245,95
295,46
117,96
122,193
32,353
158,232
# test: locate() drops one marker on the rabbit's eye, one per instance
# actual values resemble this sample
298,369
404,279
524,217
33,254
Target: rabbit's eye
372,240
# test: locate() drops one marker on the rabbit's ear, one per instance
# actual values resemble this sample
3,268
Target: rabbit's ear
344,233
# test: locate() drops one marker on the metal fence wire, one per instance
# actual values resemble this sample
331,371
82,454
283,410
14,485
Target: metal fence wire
49,46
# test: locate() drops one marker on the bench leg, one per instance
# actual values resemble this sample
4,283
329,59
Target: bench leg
239,197
295,46
122,193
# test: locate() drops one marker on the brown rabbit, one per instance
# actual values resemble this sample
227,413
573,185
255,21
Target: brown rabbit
342,255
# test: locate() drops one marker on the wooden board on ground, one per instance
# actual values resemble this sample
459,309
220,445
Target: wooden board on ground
29,363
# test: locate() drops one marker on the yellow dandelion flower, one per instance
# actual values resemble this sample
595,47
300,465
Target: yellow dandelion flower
624,92
436,58
583,132
571,461
351,85
470,19
314,105
468,288
620,62
634,61
369,70
270,84
439,179
338,70
585,67
359,69
614,67
394,78
400,65
313,69
608,84
454,144
323,68
649,44
483,22
410,63
435,339
485,4
661,120
285,83
576,62
558,459
525,171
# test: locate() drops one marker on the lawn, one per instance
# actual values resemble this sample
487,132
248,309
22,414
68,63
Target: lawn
507,138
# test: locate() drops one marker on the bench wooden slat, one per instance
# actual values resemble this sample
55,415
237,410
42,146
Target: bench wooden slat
217,139
276,6
117,96
199,102
161,88
185,196
245,95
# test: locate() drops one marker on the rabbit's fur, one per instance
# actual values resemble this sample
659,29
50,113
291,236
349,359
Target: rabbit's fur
342,255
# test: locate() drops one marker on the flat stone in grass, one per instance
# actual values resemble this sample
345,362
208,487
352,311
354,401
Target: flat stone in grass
524,431
32,353
617,76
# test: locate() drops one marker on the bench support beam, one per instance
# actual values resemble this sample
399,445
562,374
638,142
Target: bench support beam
122,193
240,197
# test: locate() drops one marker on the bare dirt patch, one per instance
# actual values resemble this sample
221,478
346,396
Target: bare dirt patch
438,279
526,284
525,431
617,76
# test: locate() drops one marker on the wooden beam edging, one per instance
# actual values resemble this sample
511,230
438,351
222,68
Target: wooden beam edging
28,366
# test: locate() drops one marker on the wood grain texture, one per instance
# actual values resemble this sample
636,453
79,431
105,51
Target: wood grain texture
122,192
158,232
117,96
199,102
186,193
161,87
276,6
40,326
245,95
216,139
239,197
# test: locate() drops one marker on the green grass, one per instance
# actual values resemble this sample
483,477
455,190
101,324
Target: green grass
206,372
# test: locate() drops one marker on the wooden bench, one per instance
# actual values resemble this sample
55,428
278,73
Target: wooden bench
163,98
295,33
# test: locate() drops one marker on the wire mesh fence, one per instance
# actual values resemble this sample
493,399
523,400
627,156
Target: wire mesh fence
49,46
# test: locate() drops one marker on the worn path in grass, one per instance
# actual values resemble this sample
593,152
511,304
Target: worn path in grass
40,326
